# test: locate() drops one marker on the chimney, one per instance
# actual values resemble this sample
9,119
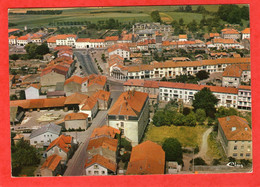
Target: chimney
233,129
246,129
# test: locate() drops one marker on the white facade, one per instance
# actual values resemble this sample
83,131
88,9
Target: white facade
132,129
124,54
32,93
91,113
69,41
245,35
22,42
96,169
43,139
244,99
187,96
231,82
12,41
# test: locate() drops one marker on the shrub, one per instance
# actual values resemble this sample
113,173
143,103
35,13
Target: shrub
126,144
215,162
198,161
125,157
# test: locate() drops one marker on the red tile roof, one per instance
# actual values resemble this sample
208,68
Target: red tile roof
88,103
12,30
224,41
102,95
75,98
111,38
51,162
236,70
118,46
244,87
97,79
104,142
169,64
229,31
146,158
76,79
98,159
37,86
83,39
235,128
76,116
246,31
211,35
105,131
63,142
129,103
183,36
12,37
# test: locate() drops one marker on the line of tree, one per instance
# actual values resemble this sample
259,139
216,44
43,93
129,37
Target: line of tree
233,13
38,12
114,11
156,16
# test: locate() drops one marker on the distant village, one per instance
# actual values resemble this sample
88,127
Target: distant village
87,104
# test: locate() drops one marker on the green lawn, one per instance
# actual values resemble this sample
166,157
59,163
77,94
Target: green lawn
28,170
188,136
215,149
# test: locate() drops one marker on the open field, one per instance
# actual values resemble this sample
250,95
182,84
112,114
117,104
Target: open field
94,14
188,136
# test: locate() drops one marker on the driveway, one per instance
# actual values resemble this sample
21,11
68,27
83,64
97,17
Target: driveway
204,145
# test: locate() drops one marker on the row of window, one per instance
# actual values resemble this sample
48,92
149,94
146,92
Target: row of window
96,172
241,154
242,147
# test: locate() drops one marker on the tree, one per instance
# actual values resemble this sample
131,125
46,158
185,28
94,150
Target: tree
200,115
198,161
202,74
188,8
201,9
190,119
204,99
22,95
158,118
173,150
223,112
178,119
156,16
193,26
13,97
126,144
186,111
31,50
14,57
23,155
42,49
181,22
125,157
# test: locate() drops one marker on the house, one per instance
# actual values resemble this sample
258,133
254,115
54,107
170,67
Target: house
33,91
62,146
89,106
226,43
245,33
120,49
61,40
52,75
12,40
73,101
183,37
52,166
99,165
44,135
76,84
130,114
214,35
13,31
244,97
82,43
76,121
229,33
105,146
235,74
104,131
91,83
235,136
146,158
111,40
23,40
104,99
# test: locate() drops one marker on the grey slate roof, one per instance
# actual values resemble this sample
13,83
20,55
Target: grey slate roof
51,127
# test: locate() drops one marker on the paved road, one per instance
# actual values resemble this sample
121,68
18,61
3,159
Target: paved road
204,145
76,164
86,62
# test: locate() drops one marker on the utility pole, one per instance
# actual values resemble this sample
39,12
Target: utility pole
193,161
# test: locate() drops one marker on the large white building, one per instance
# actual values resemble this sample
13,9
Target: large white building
62,40
170,69
120,49
130,114
33,91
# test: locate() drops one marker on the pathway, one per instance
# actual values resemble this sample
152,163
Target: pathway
204,145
